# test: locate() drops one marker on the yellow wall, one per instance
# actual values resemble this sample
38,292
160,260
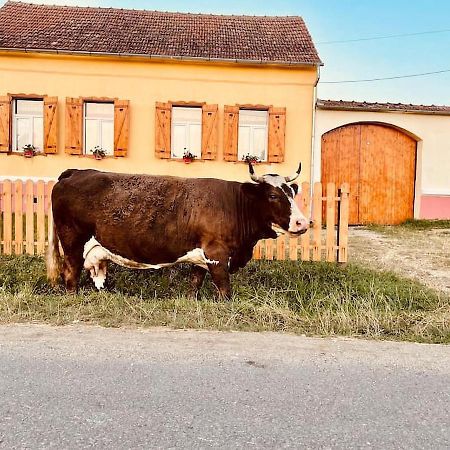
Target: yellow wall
143,82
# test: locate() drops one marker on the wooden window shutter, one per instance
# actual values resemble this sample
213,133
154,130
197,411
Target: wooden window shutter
121,127
74,126
209,131
5,124
277,132
230,137
162,129
50,125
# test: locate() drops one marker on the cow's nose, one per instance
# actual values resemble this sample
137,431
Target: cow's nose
301,223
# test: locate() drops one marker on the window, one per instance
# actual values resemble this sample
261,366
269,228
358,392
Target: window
99,127
258,131
253,134
186,131
28,124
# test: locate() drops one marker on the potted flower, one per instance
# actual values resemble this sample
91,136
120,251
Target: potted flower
188,157
248,158
98,152
29,150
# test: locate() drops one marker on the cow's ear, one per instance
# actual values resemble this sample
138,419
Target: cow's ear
295,187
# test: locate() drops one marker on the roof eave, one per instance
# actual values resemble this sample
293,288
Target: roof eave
163,57
386,110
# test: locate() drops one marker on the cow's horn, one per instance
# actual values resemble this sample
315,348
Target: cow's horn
295,175
252,174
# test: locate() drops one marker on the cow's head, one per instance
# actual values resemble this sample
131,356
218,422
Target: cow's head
278,201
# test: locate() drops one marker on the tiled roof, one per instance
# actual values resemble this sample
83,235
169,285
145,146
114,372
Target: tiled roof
382,107
283,40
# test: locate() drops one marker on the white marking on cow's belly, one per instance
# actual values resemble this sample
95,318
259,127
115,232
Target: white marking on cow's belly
95,255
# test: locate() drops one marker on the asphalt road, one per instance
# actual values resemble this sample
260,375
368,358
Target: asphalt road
82,387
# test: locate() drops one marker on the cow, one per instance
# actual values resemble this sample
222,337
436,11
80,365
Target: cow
150,222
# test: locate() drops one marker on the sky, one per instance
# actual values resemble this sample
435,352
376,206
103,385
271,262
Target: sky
345,20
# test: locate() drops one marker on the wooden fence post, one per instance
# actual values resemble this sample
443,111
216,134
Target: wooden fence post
317,219
29,218
7,217
40,216
256,250
343,223
331,212
305,209
281,247
18,217
269,249
50,185
293,248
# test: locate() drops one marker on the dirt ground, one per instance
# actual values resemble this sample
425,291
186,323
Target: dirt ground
423,255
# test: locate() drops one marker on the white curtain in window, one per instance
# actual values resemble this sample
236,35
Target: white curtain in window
253,134
28,124
186,131
99,127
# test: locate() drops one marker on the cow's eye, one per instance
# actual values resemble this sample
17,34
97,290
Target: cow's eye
273,196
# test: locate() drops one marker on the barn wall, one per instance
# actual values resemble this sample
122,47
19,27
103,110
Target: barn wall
433,152
144,82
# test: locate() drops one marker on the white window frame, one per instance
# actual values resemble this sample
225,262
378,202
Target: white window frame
86,150
32,117
187,124
252,127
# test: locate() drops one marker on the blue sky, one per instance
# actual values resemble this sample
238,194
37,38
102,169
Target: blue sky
331,20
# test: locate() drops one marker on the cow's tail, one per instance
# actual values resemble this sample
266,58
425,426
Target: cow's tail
53,257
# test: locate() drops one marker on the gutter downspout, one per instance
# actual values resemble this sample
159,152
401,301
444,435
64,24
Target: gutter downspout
313,134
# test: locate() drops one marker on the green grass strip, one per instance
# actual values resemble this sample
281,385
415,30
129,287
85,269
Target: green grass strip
319,299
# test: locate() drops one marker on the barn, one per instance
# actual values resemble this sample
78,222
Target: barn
395,156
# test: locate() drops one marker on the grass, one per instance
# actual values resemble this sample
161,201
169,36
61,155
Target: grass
307,298
411,225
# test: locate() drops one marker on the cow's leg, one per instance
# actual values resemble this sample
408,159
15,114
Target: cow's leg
197,276
218,268
221,278
218,265
72,244
73,263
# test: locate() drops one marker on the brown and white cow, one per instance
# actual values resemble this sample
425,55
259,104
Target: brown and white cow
150,222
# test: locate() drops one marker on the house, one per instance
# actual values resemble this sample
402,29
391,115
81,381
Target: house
148,86
396,158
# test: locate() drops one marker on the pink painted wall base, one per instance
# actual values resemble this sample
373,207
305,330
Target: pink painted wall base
435,207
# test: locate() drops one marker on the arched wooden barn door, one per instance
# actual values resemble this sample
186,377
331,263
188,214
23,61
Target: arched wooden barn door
379,162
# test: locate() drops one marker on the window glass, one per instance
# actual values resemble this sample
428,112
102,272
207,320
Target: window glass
99,110
23,132
108,136
29,107
27,124
260,142
253,134
91,132
38,132
195,139
178,140
99,127
244,140
186,131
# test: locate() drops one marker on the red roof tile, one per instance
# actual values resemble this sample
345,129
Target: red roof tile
283,40
381,107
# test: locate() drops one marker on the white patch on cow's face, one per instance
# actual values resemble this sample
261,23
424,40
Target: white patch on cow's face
95,257
298,223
